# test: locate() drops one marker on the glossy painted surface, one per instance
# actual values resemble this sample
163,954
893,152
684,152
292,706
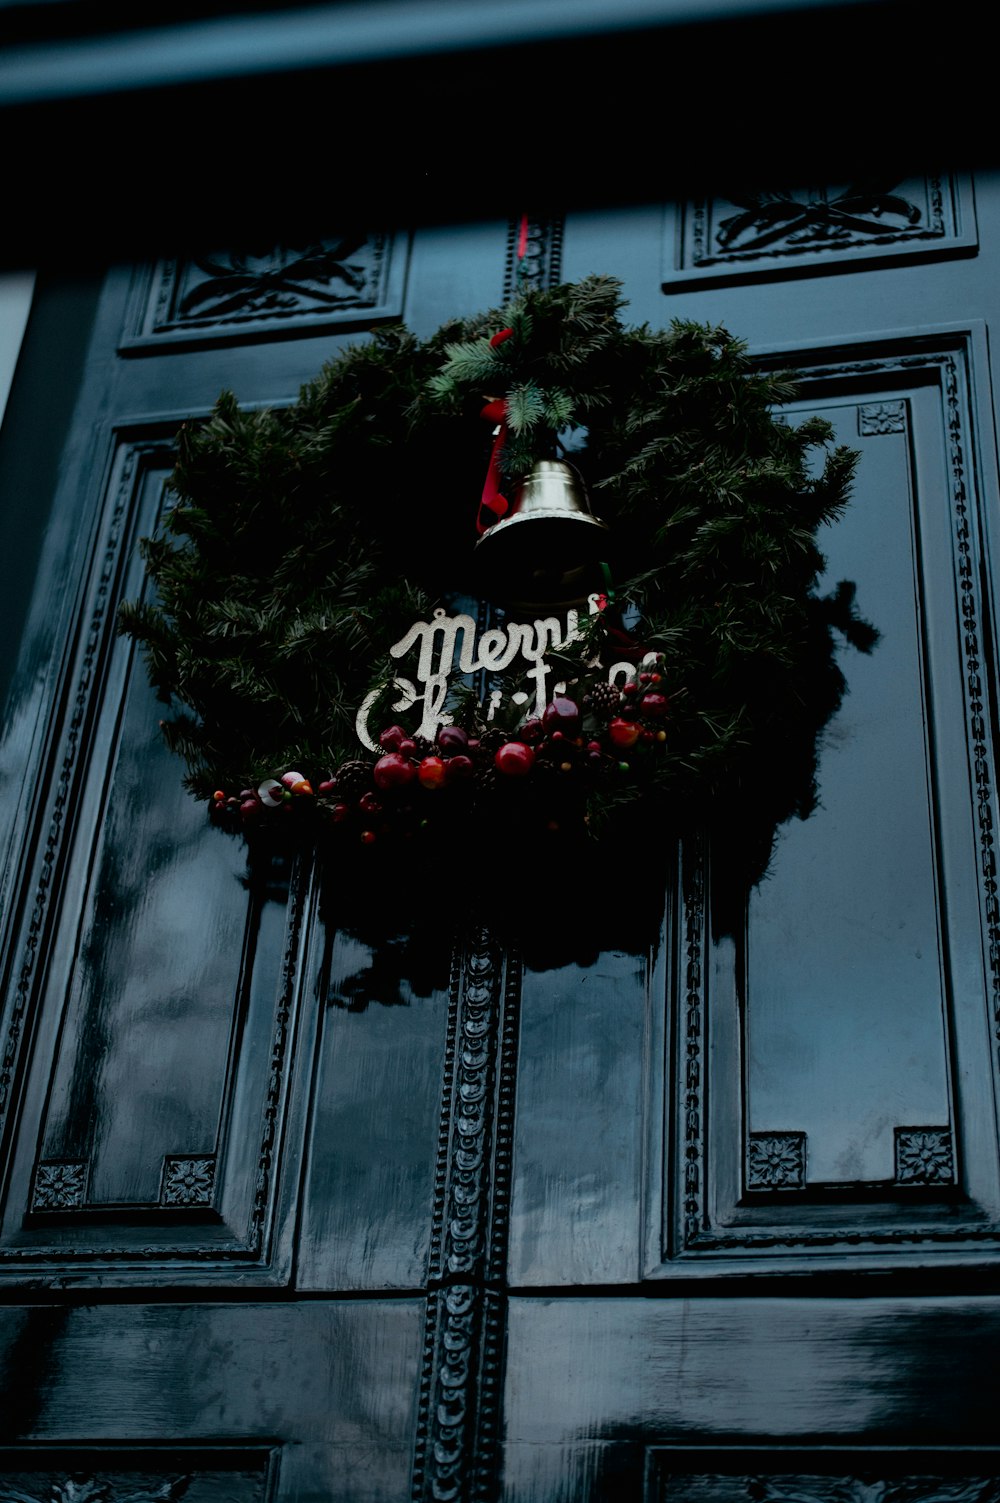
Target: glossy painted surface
318,1398
756,1385
317,1191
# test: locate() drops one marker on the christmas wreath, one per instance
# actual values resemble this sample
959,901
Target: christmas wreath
303,545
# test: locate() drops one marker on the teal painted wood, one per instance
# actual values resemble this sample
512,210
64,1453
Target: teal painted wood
300,1202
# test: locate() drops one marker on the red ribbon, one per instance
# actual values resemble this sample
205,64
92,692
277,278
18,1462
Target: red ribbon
493,505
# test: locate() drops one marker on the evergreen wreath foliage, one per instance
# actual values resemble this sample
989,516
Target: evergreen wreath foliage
303,543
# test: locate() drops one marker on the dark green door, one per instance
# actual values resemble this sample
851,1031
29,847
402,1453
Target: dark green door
293,1211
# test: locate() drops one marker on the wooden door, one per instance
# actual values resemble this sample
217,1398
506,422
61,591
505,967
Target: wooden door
298,1209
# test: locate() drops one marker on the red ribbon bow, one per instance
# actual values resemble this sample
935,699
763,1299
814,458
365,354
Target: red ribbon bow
493,505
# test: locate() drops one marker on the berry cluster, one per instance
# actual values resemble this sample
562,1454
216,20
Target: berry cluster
544,769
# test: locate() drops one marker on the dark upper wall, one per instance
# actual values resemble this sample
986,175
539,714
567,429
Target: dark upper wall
225,122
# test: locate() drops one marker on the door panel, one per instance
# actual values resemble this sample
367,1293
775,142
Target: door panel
608,1398
829,1083
159,1082
300,1402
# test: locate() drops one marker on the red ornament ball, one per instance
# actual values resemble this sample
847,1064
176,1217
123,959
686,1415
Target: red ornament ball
432,772
452,738
391,737
623,733
654,705
515,759
561,714
393,771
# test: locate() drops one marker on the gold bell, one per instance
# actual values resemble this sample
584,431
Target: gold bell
544,552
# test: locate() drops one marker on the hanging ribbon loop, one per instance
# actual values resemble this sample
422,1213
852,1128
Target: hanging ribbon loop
493,505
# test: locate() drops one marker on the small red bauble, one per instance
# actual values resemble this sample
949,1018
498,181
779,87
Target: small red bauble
339,813
393,771
369,804
460,768
432,772
514,760
391,737
326,787
623,733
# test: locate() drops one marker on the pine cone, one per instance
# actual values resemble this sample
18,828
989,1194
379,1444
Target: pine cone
485,777
353,777
604,699
492,740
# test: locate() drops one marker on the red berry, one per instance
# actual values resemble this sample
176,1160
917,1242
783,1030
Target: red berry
432,772
339,813
327,787
250,809
514,759
218,795
407,747
368,837
646,736
369,804
391,737
644,678
531,730
393,771
623,733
